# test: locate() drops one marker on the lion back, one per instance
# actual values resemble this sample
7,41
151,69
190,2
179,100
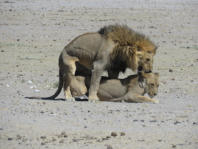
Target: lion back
121,34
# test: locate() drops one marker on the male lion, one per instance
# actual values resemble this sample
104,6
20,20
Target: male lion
113,48
130,89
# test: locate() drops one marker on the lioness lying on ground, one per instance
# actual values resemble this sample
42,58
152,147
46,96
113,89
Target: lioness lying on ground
130,89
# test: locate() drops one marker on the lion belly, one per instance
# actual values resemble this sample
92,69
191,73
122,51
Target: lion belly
111,89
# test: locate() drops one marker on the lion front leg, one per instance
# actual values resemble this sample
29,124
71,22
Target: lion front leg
139,98
95,81
69,69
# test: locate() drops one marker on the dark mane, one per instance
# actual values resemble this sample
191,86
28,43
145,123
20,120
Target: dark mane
122,34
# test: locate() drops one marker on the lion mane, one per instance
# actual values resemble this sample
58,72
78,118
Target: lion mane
128,42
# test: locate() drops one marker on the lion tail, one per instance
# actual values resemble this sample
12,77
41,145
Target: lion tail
60,86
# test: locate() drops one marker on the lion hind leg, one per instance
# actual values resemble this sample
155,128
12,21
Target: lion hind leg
68,95
70,69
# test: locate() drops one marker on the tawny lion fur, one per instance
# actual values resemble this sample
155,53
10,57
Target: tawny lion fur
113,48
130,89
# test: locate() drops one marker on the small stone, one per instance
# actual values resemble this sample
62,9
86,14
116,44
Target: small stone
36,90
177,122
173,146
153,121
10,139
106,138
18,39
64,134
30,82
2,51
61,141
170,70
114,134
109,146
152,27
43,143
24,139
18,137
43,137
42,112
53,139
122,134
74,140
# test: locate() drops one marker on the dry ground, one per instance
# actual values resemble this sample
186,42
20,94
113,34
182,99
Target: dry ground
32,35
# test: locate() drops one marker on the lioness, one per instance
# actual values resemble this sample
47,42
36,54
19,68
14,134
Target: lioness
113,48
130,89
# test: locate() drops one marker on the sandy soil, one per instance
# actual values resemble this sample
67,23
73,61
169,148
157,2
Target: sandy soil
32,35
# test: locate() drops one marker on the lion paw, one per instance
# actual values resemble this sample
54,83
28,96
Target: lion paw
155,101
93,99
70,99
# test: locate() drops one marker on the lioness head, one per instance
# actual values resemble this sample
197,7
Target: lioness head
145,51
152,83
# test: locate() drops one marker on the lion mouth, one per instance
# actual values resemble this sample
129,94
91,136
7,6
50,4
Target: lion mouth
140,68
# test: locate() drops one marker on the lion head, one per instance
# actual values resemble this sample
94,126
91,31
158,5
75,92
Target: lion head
145,51
152,83
132,47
